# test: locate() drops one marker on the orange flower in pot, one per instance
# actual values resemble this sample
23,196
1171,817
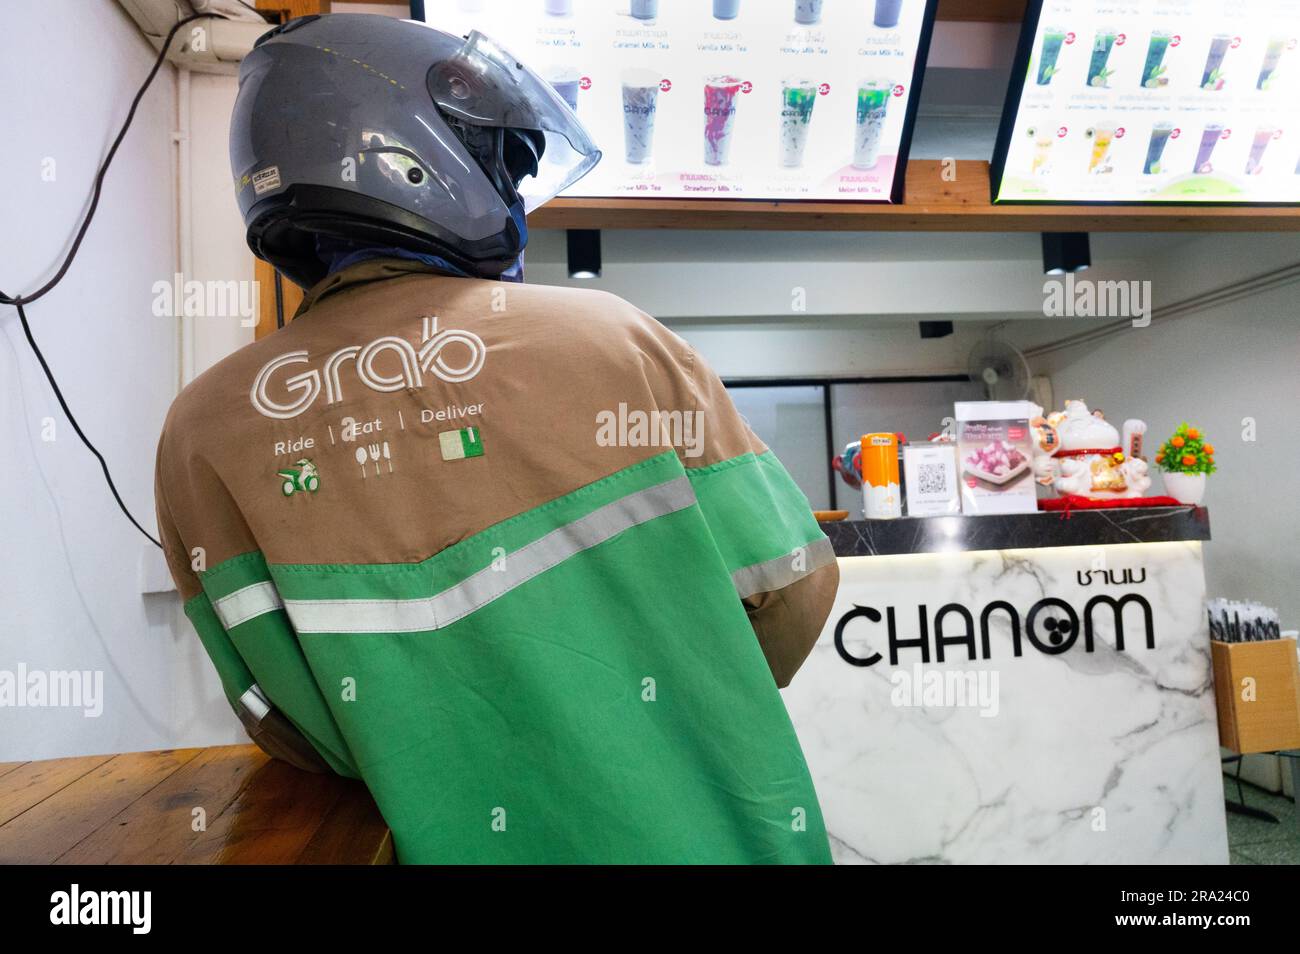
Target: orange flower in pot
1186,459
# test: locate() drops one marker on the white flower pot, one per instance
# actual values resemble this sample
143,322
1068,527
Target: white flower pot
1185,488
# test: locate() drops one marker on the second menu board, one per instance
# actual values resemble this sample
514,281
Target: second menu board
1179,101
745,99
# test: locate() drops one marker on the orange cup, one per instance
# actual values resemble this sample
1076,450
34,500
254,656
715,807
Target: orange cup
881,498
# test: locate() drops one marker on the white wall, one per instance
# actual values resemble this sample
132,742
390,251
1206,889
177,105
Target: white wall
796,275
858,346
1216,369
70,597
219,250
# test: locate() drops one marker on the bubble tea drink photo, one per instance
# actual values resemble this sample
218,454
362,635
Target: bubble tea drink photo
807,12
1255,161
1043,138
1160,134
887,12
1153,69
798,97
566,82
640,102
559,8
869,127
1053,40
1272,55
1212,75
719,117
726,9
1098,74
645,9
1099,158
1209,139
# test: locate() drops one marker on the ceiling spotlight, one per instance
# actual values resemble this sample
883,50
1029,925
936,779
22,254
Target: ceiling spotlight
936,329
584,253
1065,252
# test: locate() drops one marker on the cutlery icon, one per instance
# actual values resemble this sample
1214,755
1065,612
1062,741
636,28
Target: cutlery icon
361,459
374,457
388,457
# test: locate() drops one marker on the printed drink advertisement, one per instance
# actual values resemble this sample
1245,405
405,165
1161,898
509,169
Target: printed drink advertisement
1181,101
745,99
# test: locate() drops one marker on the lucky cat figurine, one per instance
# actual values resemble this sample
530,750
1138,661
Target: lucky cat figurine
1091,457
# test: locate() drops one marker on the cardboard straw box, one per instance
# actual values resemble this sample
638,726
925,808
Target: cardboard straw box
1257,693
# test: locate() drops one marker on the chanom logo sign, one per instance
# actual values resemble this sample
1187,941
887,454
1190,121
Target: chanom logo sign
1052,626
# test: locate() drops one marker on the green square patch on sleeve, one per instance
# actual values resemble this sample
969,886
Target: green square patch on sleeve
457,445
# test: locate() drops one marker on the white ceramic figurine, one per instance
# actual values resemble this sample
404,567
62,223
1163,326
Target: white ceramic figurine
1092,460
1134,470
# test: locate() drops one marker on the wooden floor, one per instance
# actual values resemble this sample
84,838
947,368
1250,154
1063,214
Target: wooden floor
224,805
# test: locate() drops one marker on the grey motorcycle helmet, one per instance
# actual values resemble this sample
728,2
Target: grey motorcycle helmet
366,129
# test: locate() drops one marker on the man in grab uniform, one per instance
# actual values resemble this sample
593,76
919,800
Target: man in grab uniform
506,552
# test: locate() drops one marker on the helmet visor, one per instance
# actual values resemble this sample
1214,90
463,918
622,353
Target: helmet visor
483,84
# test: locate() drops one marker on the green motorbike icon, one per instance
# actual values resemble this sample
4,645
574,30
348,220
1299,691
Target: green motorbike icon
303,478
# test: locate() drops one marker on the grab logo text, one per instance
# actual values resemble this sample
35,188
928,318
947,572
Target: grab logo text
387,364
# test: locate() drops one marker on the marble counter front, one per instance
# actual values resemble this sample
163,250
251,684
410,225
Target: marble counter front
1047,699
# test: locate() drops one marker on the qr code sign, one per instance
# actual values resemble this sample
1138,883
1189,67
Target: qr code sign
932,479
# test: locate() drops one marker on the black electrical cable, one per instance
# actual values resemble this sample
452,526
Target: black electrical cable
27,330
21,300
103,169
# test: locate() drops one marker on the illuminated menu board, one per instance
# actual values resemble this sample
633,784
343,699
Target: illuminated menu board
744,99
1180,101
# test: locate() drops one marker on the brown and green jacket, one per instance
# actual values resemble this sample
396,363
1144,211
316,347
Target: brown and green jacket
509,554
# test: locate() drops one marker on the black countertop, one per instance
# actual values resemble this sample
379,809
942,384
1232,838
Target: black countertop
1078,528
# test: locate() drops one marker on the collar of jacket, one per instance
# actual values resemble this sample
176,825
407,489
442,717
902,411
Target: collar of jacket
362,273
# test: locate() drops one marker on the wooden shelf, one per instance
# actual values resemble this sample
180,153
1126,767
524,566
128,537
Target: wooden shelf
982,11
932,204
